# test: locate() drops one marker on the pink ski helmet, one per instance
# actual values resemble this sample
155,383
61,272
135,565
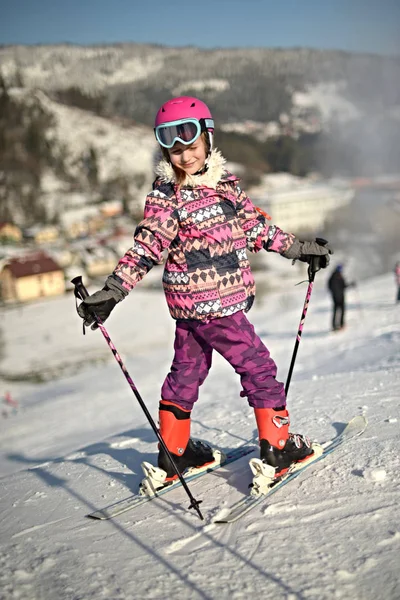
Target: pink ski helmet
183,119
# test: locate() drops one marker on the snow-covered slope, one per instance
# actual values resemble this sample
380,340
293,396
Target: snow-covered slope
76,444
121,153
121,150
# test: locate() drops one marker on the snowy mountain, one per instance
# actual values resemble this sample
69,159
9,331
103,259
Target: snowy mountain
90,68
251,82
75,444
89,155
122,150
350,100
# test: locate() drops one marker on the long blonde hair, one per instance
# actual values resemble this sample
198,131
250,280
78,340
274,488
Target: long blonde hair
180,173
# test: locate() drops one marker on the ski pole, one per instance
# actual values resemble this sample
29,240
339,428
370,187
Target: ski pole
313,267
81,292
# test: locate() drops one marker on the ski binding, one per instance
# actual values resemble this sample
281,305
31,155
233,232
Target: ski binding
155,478
355,427
264,475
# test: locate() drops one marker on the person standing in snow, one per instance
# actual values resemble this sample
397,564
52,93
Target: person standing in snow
337,285
8,399
200,217
397,276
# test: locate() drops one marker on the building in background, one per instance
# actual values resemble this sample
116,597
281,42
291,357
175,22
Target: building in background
42,234
98,260
30,277
10,233
299,204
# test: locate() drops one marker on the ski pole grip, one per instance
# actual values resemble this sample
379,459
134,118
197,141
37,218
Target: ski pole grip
79,289
314,265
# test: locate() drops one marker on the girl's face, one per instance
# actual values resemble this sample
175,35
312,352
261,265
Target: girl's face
188,158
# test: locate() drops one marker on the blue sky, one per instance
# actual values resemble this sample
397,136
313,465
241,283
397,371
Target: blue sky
354,25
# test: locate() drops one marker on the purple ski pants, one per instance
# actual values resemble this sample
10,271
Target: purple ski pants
235,339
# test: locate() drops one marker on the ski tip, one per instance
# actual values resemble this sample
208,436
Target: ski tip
99,515
360,421
223,517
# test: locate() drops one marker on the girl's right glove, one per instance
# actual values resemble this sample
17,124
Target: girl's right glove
307,251
101,303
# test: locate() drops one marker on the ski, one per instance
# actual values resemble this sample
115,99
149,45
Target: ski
354,428
118,508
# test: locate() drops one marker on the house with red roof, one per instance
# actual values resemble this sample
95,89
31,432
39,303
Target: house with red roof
30,277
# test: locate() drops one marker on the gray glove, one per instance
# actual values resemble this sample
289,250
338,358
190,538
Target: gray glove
309,251
101,303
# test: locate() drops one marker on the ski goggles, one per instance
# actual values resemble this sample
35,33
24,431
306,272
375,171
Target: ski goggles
185,131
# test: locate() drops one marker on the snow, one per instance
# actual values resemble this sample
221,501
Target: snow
76,443
217,85
329,98
90,68
120,150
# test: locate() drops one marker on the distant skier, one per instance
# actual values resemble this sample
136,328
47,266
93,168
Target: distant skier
11,405
198,213
8,399
337,286
397,276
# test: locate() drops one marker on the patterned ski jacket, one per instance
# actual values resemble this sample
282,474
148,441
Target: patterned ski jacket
205,227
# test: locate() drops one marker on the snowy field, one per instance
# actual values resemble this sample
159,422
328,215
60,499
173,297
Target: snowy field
75,444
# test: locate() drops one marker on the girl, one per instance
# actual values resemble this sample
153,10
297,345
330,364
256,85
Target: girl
200,216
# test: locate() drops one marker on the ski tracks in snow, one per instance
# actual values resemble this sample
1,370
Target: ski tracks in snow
34,571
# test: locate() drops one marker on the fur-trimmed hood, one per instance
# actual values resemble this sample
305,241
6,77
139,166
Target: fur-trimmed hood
215,172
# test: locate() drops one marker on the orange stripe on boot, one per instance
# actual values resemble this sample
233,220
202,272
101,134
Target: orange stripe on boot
273,425
174,426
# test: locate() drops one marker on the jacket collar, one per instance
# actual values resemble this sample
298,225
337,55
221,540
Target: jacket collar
215,173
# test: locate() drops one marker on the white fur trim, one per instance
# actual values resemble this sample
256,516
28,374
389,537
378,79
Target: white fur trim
210,178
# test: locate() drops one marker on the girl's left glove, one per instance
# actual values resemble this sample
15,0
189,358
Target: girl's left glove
101,303
306,251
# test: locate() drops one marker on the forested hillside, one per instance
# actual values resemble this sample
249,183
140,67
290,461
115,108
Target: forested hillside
297,110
